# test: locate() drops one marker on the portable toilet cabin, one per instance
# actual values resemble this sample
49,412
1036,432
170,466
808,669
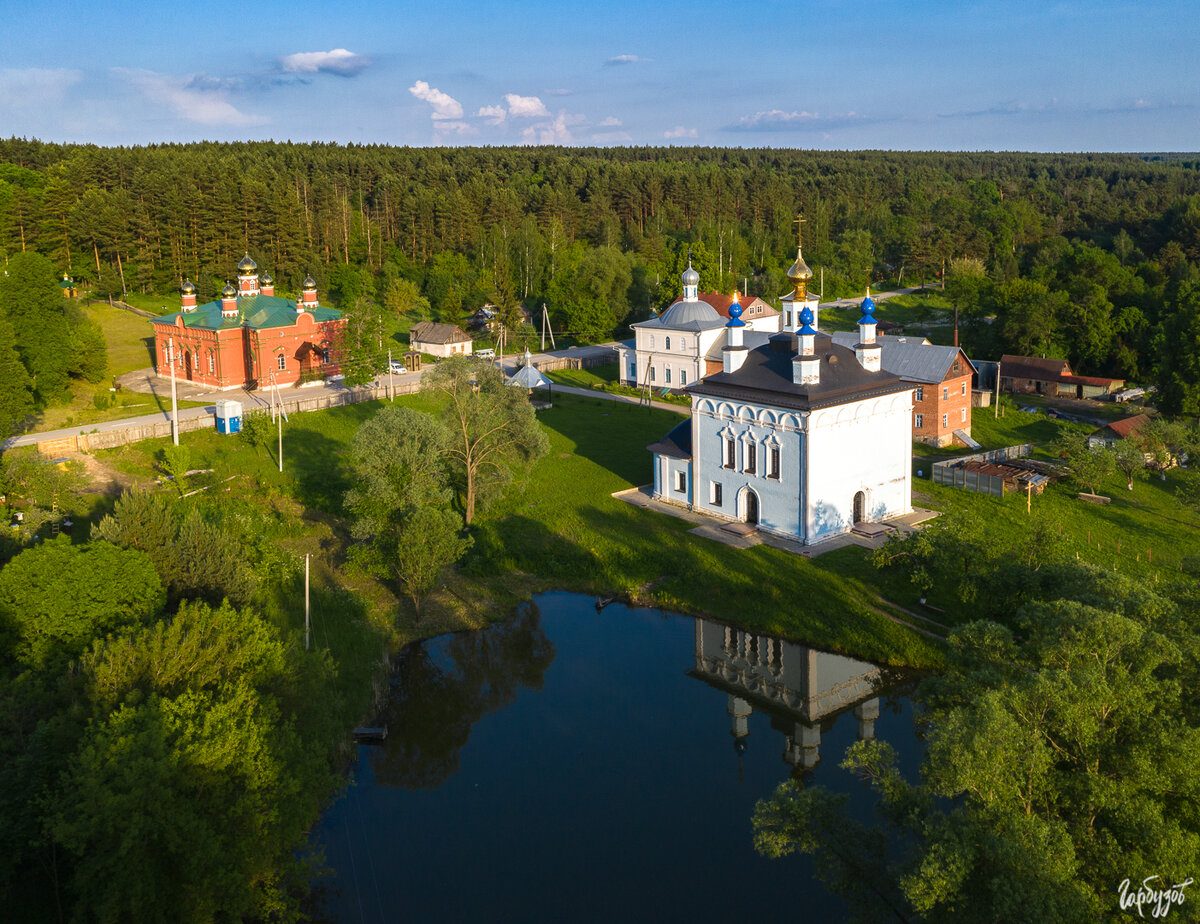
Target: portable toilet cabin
229,416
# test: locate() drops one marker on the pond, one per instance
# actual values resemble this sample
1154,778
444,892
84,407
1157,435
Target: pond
570,765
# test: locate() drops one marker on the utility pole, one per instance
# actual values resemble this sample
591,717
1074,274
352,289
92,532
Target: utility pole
546,326
391,382
997,413
174,403
306,619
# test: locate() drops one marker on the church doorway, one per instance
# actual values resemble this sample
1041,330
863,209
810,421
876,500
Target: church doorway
860,507
751,508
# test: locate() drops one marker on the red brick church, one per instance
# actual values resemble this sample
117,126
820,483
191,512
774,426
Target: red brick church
249,336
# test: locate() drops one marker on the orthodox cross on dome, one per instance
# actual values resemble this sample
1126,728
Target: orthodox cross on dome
799,223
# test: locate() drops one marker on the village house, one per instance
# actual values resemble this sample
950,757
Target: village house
1028,375
941,380
440,339
800,436
249,336
1112,433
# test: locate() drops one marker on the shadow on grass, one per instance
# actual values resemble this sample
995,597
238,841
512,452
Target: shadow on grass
317,464
606,432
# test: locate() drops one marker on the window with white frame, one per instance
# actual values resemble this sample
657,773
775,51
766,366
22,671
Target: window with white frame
964,415
667,374
920,421
682,376
668,343
681,482
633,371
683,343
920,392
730,453
281,362
652,341
945,420
751,459
714,493
211,363
651,373
945,392
773,462
964,389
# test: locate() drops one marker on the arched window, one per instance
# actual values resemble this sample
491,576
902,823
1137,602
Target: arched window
668,346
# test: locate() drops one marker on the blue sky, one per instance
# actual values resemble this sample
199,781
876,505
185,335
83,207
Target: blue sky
917,75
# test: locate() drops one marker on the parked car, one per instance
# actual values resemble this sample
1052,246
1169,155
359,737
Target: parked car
485,354
396,368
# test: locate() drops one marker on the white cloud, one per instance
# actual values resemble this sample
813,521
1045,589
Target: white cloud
776,118
555,132
626,59
189,99
495,115
338,61
445,128
444,105
612,137
611,122
680,132
525,107
33,87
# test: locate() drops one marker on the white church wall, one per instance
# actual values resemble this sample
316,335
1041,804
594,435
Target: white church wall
864,446
747,425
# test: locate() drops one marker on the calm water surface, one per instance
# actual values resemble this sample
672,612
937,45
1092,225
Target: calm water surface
576,766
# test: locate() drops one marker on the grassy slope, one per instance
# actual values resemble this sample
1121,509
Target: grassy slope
558,527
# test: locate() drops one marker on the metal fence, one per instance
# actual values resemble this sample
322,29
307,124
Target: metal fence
951,471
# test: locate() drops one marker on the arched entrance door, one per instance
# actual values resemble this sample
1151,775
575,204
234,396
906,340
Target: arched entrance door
860,507
751,508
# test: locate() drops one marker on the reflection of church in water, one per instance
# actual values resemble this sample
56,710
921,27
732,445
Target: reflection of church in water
801,689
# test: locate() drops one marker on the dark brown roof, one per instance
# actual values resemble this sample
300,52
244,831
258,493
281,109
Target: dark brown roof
721,303
1124,427
766,377
1088,380
1033,367
430,332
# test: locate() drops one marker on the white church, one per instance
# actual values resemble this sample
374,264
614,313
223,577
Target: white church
684,343
797,436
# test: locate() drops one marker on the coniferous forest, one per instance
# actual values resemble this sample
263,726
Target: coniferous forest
1089,256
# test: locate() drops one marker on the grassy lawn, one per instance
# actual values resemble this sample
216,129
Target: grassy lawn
558,527
130,345
597,376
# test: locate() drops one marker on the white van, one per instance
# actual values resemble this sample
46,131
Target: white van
485,354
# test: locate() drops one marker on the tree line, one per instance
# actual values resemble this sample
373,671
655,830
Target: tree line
1093,255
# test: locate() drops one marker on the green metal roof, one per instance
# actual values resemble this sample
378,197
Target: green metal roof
257,312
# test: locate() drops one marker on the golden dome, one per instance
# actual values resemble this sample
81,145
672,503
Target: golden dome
799,271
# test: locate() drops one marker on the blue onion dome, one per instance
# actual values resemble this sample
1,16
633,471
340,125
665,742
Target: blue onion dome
310,284
735,313
806,319
868,310
187,288
690,277
266,280
229,291
246,266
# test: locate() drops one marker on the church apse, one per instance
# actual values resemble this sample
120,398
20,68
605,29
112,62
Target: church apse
800,689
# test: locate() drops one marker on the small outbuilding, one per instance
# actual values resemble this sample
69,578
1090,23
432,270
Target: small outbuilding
1110,434
440,339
